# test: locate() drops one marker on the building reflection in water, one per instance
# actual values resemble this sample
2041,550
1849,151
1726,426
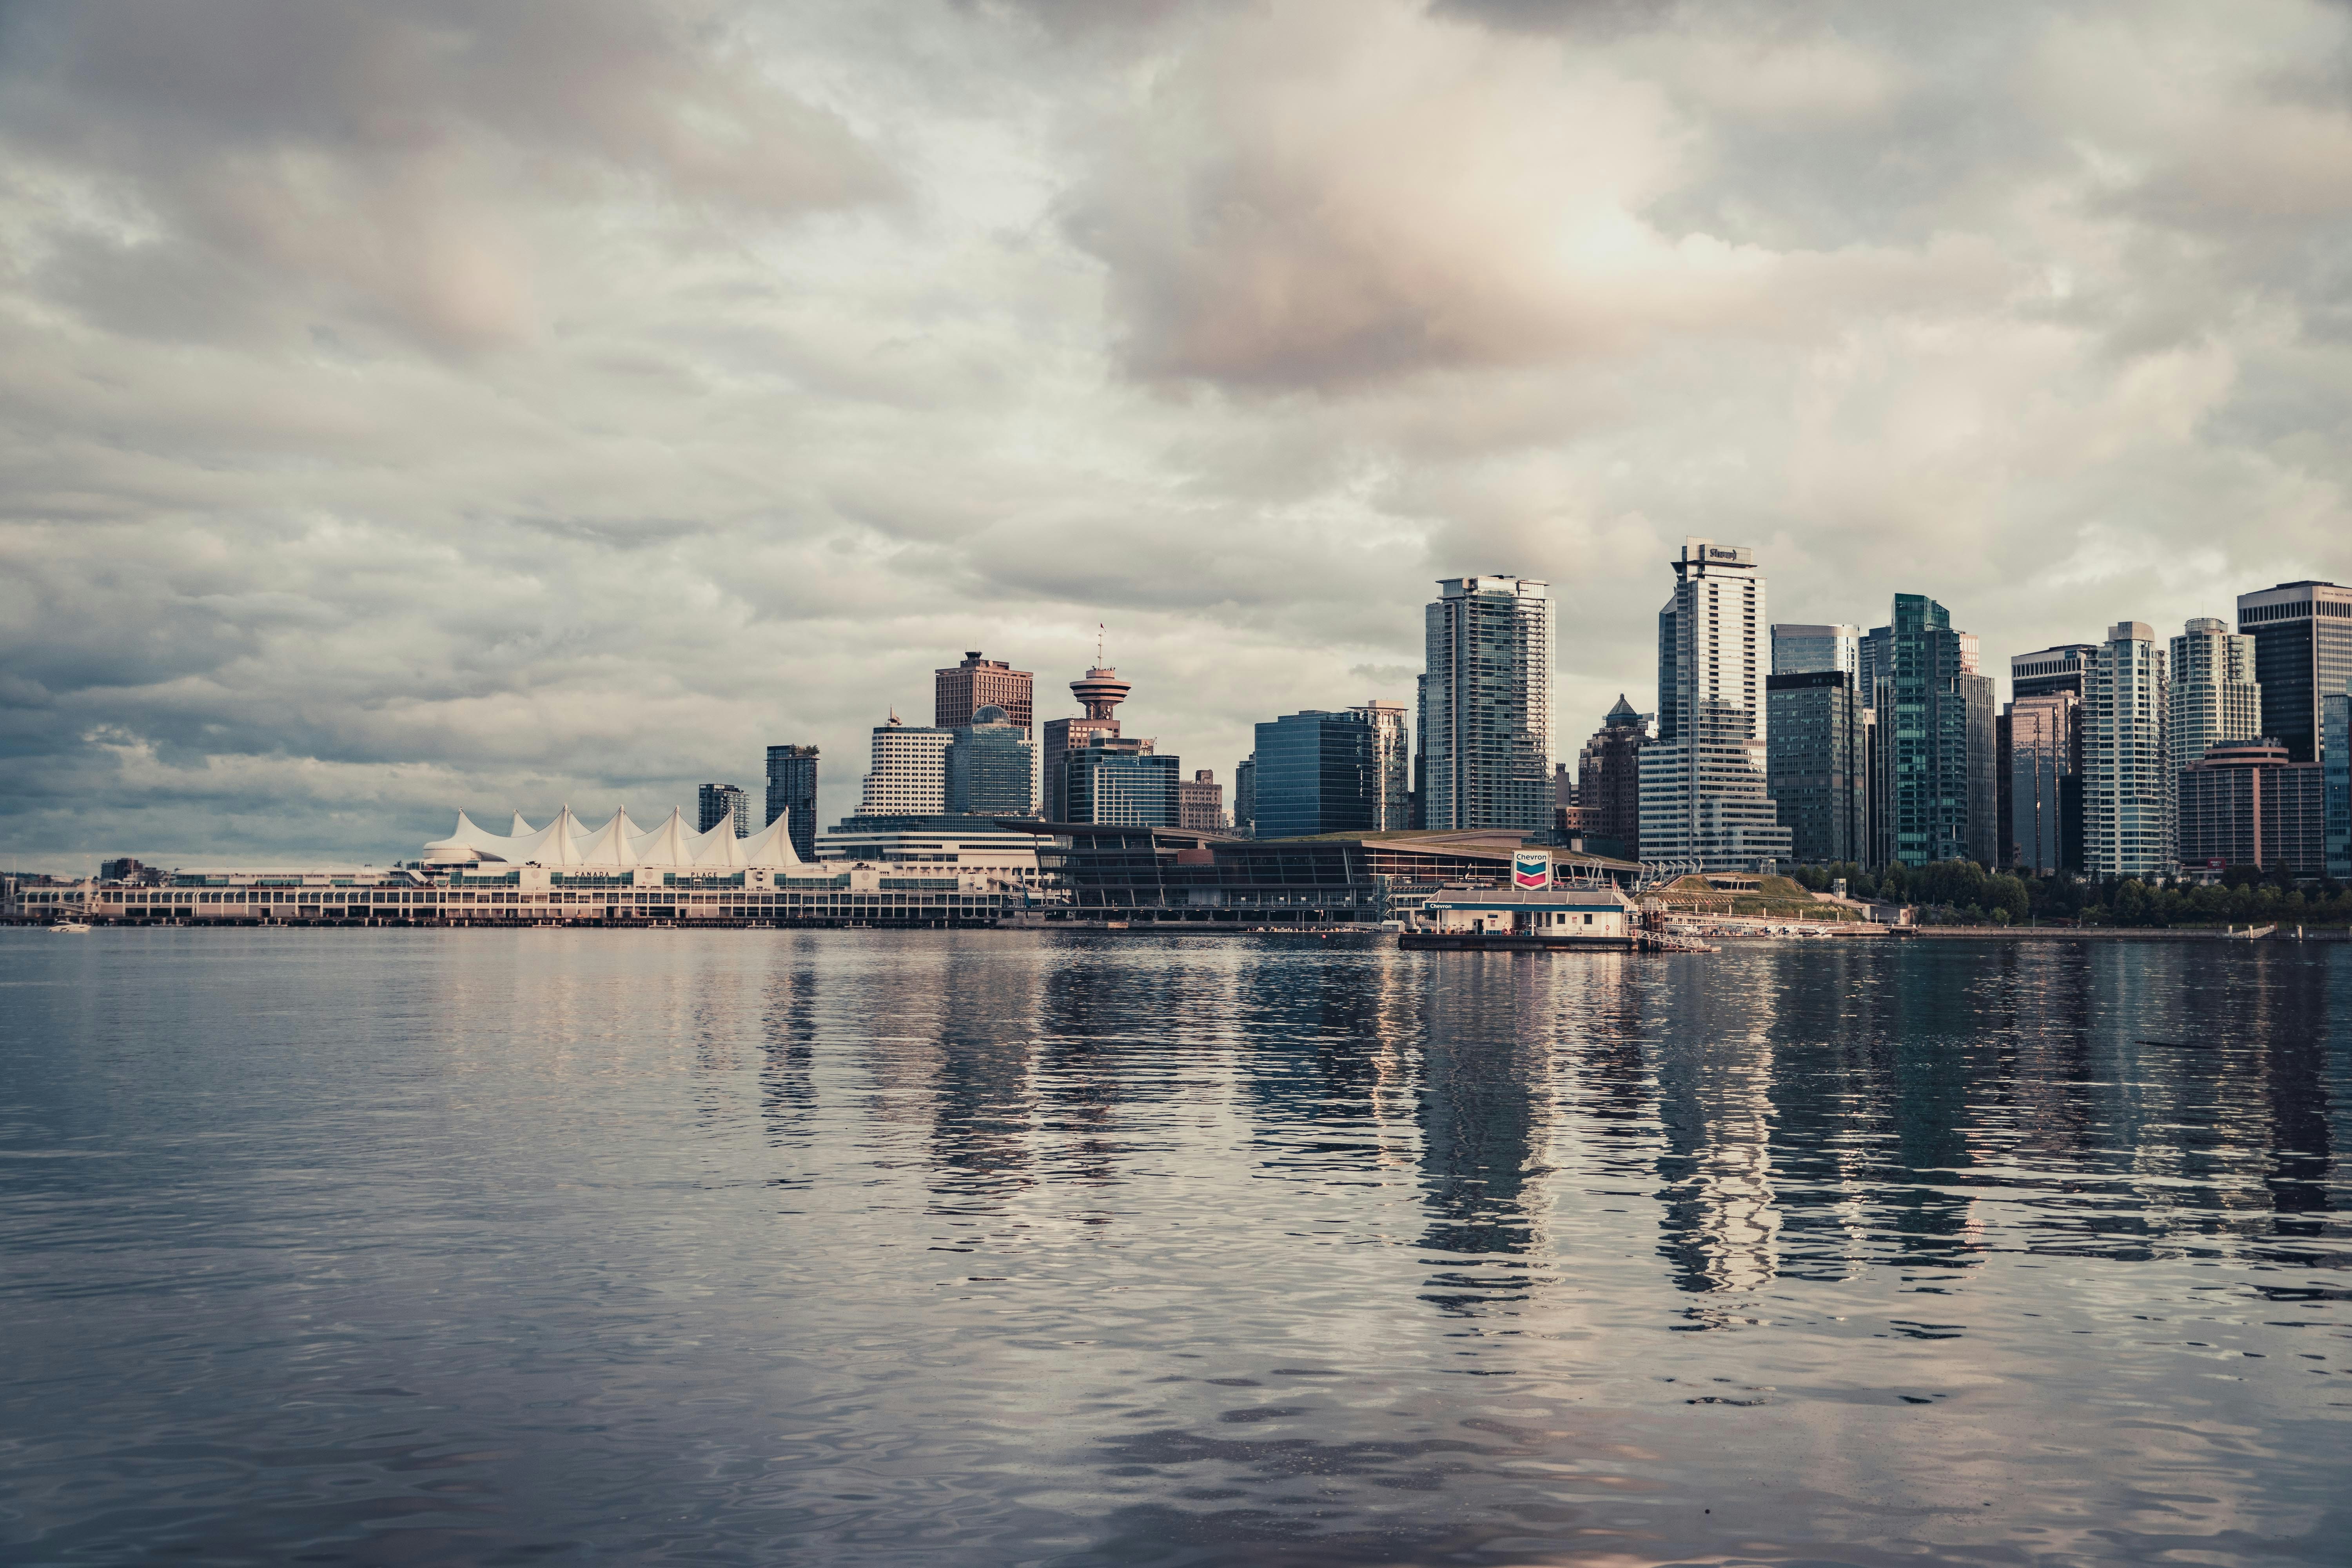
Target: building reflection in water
983,1103
1718,1211
1484,1111
1320,1056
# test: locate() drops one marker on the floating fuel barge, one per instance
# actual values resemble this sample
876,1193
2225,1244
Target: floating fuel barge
1534,914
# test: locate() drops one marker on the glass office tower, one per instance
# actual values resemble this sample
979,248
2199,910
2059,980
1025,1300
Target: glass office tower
992,763
2302,655
1815,763
1316,773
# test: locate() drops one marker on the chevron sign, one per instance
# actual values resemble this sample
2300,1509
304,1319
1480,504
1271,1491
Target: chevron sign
1531,868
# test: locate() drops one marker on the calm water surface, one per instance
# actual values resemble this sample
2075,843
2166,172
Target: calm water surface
1002,1247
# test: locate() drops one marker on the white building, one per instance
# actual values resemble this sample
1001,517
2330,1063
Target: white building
1704,794
1486,705
570,873
2214,695
909,774
2129,786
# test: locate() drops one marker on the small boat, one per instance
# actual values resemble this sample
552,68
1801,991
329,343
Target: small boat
75,928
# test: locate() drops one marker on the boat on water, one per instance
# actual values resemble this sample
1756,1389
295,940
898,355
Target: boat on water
70,928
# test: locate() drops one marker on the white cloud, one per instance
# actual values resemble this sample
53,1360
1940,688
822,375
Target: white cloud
409,406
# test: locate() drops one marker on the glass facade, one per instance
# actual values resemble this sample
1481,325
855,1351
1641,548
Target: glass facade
1116,783
718,802
792,786
1803,649
991,765
2044,795
2302,655
1815,763
1316,773
1937,736
2336,774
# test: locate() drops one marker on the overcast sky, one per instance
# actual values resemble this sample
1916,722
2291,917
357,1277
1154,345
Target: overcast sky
410,406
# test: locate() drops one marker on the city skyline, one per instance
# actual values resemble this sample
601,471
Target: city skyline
694,386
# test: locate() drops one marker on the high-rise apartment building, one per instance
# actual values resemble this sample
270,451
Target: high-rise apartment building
1800,649
1314,774
2215,697
1609,783
1201,803
963,690
2129,788
992,766
1486,706
792,788
1816,762
910,777
1705,795
1938,755
2303,656
1245,796
1392,765
718,802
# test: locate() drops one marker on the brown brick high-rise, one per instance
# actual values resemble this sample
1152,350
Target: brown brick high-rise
961,690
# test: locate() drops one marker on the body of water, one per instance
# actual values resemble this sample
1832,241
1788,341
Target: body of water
864,1247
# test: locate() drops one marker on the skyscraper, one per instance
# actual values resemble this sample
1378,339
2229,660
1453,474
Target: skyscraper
910,777
792,786
2045,789
1816,762
2057,669
1392,765
1245,796
1486,706
1314,774
2039,806
2335,782
2129,787
1703,789
1609,783
2303,656
1876,660
963,690
1936,749
2215,697
992,766
1800,649
718,802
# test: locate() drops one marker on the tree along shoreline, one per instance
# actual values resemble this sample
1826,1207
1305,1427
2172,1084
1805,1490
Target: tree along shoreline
1963,893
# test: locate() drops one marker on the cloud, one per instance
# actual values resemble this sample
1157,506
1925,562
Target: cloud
406,406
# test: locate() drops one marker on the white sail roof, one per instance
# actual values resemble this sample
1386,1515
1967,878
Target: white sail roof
619,843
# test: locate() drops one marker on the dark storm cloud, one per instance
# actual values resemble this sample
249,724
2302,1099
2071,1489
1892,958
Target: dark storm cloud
412,406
